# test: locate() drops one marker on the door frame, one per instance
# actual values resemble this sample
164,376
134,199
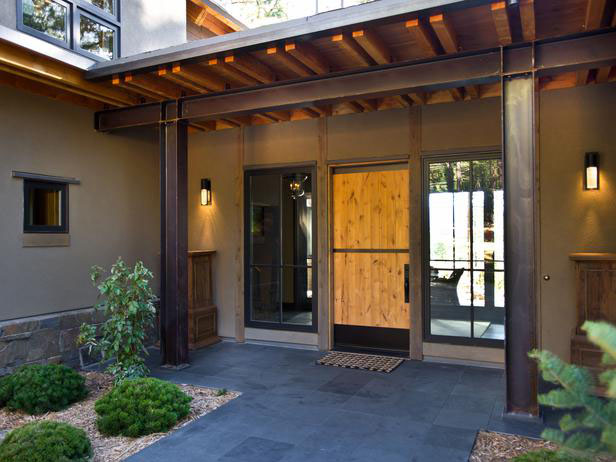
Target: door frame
355,162
281,170
428,157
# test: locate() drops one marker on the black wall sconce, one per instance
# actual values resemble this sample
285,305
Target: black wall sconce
206,191
591,171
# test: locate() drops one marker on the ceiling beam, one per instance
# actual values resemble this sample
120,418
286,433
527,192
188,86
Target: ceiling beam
444,31
308,55
603,74
153,86
351,49
473,91
422,37
231,74
419,98
286,60
527,18
196,74
176,79
501,22
373,45
252,67
368,105
595,10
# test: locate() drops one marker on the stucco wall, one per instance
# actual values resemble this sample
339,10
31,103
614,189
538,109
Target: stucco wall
8,11
378,134
113,212
573,121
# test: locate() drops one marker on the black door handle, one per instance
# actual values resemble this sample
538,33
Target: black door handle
406,283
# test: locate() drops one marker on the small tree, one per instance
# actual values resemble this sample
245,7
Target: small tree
592,430
128,303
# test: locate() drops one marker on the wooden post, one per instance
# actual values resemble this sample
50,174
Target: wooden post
323,239
518,102
239,237
174,243
415,235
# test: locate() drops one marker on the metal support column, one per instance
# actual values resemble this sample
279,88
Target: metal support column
174,243
518,111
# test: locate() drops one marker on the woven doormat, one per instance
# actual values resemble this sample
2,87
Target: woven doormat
360,361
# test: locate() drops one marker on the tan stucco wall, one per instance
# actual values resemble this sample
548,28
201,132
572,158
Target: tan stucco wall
378,134
113,212
572,122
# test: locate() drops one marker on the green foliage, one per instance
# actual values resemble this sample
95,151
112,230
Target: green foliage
37,388
46,441
140,407
221,392
128,303
591,430
545,455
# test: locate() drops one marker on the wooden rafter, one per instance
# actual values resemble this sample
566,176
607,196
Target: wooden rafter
419,98
527,18
445,33
595,10
473,91
422,37
603,74
175,78
501,22
251,66
286,60
230,74
373,45
196,75
233,26
151,86
351,49
368,105
308,55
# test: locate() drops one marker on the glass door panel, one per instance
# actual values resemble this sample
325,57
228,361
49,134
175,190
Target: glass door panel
465,267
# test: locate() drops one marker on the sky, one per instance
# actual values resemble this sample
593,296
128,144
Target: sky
245,10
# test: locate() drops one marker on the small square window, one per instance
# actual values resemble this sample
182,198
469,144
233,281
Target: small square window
96,38
48,17
45,207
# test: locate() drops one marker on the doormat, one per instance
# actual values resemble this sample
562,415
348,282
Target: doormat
360,361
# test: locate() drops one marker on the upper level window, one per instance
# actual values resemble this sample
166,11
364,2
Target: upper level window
45,207
90,27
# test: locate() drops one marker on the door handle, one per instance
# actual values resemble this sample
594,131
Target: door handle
406,283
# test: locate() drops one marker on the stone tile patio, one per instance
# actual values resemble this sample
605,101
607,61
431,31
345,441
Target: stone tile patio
293,410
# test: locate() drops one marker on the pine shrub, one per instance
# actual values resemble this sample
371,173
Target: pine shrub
37,388
140,407
545,455
46,441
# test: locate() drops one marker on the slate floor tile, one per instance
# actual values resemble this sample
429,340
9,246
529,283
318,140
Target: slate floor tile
462,419
458,438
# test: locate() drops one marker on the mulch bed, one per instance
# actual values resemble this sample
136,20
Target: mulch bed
500,447
116,448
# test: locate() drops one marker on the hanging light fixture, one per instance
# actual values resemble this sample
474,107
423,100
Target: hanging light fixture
591,171
206,191
296,185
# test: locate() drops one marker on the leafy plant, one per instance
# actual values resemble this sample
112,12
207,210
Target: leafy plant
545,455
221,392
46,441
591,430
128,303
140,407
37,388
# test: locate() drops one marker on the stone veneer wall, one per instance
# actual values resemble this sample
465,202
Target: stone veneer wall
46,339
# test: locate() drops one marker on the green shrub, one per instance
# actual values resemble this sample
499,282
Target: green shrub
46,441
545,455
128,303
37,388
140,407
591,430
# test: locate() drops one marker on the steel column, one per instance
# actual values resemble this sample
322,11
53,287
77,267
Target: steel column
518,102
174,243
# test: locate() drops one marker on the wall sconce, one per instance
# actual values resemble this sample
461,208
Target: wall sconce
591,170
206,191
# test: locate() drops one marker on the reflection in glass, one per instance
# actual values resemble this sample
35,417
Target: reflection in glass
106,5
96,38
466,233
44,207
280,228
46,16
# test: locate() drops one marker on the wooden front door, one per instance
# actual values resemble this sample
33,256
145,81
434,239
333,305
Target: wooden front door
370,257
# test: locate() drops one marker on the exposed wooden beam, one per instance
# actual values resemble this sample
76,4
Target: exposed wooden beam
582,77
231,74
473,91
419,98
456,93
282,116
308,55
422,37
174,78
501,22
603,74
195,74
595,10
351,49
252,67
373,45
368,105
445,33
286,60
140,92
527,18
154,86
323,111
403,100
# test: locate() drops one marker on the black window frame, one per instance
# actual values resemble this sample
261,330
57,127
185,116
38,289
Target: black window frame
41,184
282,171
77,8
428,159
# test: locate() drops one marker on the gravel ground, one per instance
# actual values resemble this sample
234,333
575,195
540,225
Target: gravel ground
499,447
112,449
